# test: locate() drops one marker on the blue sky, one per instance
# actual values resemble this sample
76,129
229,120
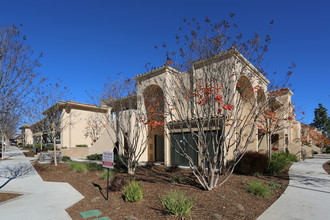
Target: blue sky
86,41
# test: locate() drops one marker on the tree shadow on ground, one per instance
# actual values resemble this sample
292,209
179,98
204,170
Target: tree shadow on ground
311,181
11,171
10,155
100,189
163,175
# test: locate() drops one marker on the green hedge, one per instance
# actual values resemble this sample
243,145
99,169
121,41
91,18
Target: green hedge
95,157
81,145
279,160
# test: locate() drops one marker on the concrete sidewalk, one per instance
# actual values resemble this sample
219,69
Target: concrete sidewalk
40,200
308,193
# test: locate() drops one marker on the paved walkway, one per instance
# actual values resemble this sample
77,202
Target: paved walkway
40,199
308,193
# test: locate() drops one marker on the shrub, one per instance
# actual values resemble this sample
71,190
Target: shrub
173,168
279,160
307,144
81,145
117,184
133,192
45,147
274,185
120,166
94,157
292,157
105,174
92,167
252,162
66,159
177,179
257,188
149,165
256,174
78,167
177,203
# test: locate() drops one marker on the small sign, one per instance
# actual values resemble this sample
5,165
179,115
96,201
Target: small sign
107,160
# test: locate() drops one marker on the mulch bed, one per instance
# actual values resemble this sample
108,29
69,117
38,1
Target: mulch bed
8,196
326,166
229,201
29,154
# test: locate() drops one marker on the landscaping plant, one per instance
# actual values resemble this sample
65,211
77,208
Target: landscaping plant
177,203
133,192
94,157
92,167
173,168
66,159
252,162
117,184
274,185
149,165
279,160
78,167
105,174
257,188
177,179
120,161
81,145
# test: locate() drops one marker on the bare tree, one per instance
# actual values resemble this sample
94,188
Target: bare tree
211,105
128,127
18,78
48,116
96,125
279,116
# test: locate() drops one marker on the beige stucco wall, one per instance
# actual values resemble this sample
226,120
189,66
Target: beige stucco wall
28,136
172,84
76,152
137,133
315,148
74,125
308,150
105,142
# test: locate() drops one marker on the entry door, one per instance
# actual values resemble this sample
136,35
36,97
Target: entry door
151,148
159,148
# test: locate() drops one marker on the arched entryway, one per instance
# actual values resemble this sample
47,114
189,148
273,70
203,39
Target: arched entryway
154,104
246,108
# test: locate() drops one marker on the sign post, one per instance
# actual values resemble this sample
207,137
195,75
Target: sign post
107,161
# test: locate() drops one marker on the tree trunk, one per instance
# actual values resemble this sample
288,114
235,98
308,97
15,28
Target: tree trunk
131,171
7,143
269,145
2,145
211,179
55,157
131,168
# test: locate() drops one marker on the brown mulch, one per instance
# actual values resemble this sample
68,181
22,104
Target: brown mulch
326,167
8,196
29,154
229,201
